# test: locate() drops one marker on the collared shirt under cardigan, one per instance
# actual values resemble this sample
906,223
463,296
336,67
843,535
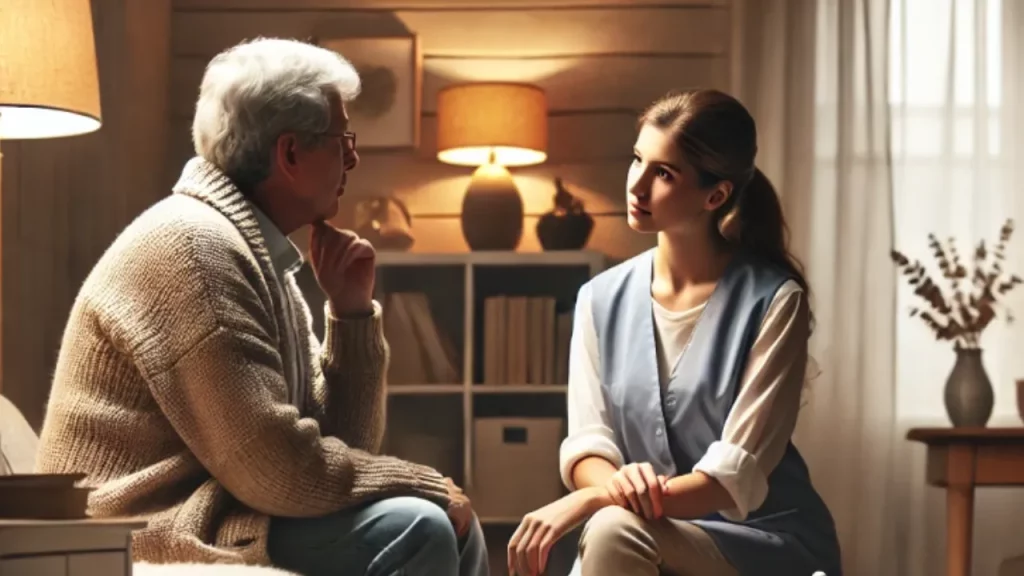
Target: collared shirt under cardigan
286,260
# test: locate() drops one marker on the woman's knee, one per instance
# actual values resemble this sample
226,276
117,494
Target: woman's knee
616,539
611,526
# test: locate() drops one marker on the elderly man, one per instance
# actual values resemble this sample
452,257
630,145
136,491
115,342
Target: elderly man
189,387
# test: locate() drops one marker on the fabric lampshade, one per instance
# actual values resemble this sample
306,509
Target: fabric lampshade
49,85
500,123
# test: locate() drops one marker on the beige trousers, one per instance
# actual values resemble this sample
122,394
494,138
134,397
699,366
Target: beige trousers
617,542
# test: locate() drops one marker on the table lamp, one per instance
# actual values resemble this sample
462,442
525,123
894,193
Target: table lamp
492,126
49,86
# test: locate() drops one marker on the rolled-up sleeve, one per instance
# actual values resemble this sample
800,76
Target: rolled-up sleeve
761,422
590,431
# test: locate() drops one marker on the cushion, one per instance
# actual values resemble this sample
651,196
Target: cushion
18,442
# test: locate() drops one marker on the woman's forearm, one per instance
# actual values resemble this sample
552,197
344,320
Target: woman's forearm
695,495
592,471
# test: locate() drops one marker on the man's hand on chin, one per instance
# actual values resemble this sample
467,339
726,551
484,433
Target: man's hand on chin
344,265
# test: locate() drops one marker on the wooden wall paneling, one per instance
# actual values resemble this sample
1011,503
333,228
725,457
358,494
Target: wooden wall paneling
435,189
600,62
429,186
572,84
64,200
611,236
147,118
603,82
737,44
579,137
41,178
96,204
179,145
185,78
494,33
572,138
249,5
434,192
35,254
1,270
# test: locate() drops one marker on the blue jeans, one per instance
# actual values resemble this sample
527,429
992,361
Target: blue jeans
402,536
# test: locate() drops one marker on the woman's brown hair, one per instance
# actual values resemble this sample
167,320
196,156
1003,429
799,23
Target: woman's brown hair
717,136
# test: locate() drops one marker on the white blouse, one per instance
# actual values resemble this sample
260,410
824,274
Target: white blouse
757,429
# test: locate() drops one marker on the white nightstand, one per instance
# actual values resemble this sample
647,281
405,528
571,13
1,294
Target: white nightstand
66,547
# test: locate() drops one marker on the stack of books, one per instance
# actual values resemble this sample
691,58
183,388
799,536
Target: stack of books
420,352
43,496
526,341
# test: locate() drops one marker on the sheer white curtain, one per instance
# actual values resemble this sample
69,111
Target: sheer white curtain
814,73
956,120
882,121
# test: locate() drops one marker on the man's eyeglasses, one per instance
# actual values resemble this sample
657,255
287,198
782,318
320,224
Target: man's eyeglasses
348,139
348,145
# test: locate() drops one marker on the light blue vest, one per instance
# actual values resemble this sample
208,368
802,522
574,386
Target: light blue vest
792,533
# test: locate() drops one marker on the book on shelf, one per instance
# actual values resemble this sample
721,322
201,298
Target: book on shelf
526,341
420,352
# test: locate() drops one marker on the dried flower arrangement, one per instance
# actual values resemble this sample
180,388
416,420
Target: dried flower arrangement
963,316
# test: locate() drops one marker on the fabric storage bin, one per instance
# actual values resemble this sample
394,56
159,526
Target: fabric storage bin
515,465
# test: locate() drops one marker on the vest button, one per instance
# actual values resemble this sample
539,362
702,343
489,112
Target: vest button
659,431
670,402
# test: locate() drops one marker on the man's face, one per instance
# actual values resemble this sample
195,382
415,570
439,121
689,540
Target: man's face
321,169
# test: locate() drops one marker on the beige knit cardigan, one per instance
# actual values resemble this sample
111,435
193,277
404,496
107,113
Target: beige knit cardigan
169,390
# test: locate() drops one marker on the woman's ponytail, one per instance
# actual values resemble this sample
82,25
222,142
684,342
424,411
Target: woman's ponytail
757,225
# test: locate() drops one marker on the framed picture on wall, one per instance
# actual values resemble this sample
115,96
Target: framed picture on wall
386,114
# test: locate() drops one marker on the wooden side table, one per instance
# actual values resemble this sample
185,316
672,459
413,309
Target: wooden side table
91,547
960,459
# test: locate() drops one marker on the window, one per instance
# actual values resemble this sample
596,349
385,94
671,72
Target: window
946,98
926,122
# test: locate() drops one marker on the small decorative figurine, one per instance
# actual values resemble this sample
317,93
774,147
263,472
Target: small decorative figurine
385,222
567,226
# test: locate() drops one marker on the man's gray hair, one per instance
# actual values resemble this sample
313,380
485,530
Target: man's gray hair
256,91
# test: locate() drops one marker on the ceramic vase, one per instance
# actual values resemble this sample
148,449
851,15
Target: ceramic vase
969,396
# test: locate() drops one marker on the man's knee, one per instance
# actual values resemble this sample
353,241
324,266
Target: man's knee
418,520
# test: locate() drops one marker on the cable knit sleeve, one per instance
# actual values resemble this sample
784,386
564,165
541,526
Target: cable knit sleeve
218,398
761,422
225,395
349,388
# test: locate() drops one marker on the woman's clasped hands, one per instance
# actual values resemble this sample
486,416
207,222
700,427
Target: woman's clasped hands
635,487
638,488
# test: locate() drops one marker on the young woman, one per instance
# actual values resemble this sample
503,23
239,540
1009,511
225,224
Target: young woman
686,369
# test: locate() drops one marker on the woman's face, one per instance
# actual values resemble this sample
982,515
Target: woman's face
662,191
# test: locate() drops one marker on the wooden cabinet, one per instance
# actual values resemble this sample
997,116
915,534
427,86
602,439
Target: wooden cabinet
66,547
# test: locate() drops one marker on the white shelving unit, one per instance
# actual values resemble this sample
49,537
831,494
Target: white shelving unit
456,286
